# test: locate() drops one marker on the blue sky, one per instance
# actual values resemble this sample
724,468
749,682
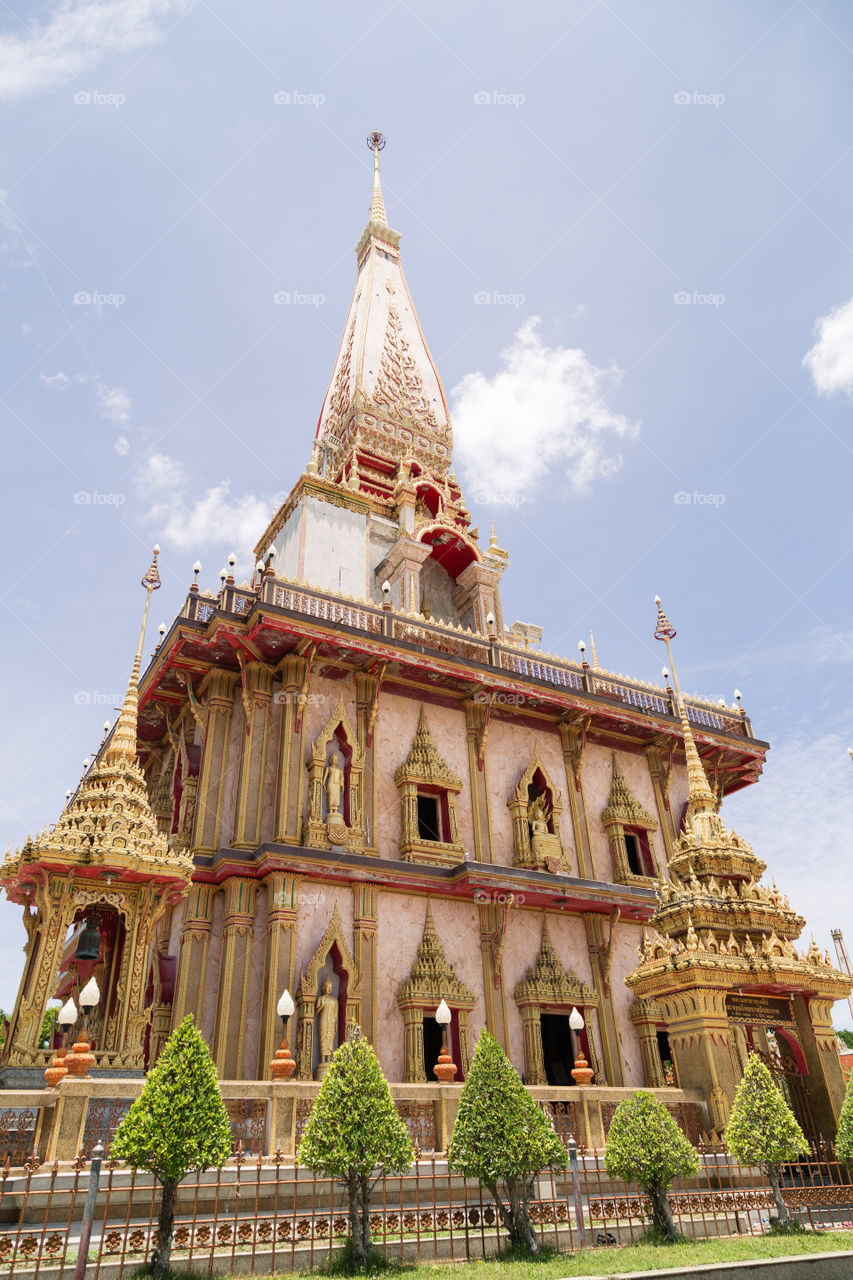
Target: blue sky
624,227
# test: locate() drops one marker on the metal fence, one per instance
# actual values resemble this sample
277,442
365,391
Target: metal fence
264,1215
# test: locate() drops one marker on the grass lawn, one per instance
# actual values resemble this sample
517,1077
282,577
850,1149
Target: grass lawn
638,1257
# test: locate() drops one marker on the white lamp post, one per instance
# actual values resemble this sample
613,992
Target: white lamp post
582,1072
66,1018
283,1065
81,1058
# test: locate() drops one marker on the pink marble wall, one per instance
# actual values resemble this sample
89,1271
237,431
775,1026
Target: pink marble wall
395,731
597,777
509,751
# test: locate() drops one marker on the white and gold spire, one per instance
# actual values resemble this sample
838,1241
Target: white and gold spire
385,388
377,206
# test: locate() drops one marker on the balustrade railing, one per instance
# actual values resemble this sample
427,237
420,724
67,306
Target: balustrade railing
452,641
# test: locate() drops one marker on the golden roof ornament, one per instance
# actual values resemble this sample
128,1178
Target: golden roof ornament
702,800
122,744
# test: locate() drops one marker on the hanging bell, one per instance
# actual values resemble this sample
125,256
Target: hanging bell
89,942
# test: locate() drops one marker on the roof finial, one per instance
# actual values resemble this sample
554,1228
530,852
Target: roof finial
592,647
701,796
122,744
376,141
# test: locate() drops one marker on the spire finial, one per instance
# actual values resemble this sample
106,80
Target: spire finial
376,141
701,795
122,745
592,648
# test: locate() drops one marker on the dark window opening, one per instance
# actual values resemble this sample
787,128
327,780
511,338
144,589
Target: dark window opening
557,1048
428,818
639,853
432,1046
665,1054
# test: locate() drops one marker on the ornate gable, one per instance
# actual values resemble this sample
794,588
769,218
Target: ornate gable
622,807
548,983
432,977
423,764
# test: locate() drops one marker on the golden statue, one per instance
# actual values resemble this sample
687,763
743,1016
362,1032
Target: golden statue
333,782
327,1021
538,814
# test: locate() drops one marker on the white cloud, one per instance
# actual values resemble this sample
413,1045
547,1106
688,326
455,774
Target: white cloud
214,519
122,446
59,381
544,409
75,37
793,817
830,360
114,403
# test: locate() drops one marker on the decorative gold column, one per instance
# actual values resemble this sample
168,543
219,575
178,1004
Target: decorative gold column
660,768
477,714
282,916
192,956
367,686
573,741
150,905
645,1015
295,670
46,930
492,932
413,1046
364,925
183,837
534,1056
257,697
599,937
825,1079
234,970
162,799
220,687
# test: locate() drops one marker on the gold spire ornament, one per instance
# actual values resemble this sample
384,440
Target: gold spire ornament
376,142
122,745
702,799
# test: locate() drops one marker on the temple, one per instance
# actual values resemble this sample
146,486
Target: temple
349,777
